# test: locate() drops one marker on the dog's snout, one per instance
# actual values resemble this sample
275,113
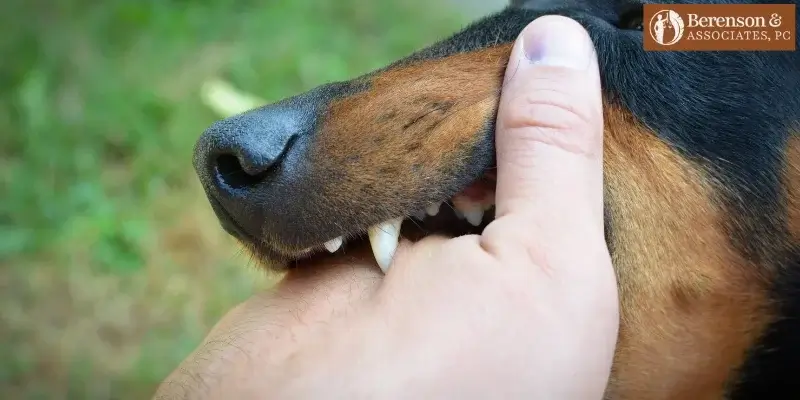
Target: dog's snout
242,163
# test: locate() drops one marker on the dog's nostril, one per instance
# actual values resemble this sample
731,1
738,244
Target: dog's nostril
230,171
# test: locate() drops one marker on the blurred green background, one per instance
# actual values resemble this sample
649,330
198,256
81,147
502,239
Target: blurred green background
112,265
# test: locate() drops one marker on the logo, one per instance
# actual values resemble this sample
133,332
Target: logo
666,27
720,27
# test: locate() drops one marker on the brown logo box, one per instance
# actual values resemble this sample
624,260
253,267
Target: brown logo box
719,27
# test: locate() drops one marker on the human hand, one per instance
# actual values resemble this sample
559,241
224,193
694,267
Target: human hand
528,309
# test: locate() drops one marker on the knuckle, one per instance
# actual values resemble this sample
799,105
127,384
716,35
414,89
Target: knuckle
554,117
506,240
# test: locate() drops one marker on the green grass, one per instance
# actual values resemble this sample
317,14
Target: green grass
112,266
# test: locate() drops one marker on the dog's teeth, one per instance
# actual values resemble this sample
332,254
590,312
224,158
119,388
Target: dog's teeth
334,244
474,216
384,238
458,213
420,215
468,209
433,209
464,205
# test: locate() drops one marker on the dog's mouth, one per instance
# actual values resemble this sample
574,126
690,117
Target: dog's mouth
467,212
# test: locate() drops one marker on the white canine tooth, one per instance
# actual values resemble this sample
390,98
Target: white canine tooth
468,209
334,244
383,238
462,205
433,209
474,216
458,213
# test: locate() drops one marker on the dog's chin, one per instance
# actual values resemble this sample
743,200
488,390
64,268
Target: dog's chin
466,213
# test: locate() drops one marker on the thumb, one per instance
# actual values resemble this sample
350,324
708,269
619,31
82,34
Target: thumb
549,131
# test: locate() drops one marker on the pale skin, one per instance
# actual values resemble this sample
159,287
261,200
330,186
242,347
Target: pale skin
528,309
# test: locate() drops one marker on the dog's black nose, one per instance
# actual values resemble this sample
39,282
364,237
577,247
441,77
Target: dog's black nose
242,163
242,152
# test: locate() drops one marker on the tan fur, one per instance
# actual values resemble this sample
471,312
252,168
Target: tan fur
792,183
690,305
405,132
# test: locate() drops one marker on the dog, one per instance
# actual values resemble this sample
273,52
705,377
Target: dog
702,187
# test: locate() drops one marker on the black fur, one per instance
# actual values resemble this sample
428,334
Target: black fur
771,368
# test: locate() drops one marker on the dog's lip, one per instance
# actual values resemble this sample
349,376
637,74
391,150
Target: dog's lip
230,226
226,220
450,222
446,222
470,210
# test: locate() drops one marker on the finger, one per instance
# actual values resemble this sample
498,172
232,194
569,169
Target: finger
410,257
549,128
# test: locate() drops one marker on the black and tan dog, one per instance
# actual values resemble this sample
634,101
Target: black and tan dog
702,187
